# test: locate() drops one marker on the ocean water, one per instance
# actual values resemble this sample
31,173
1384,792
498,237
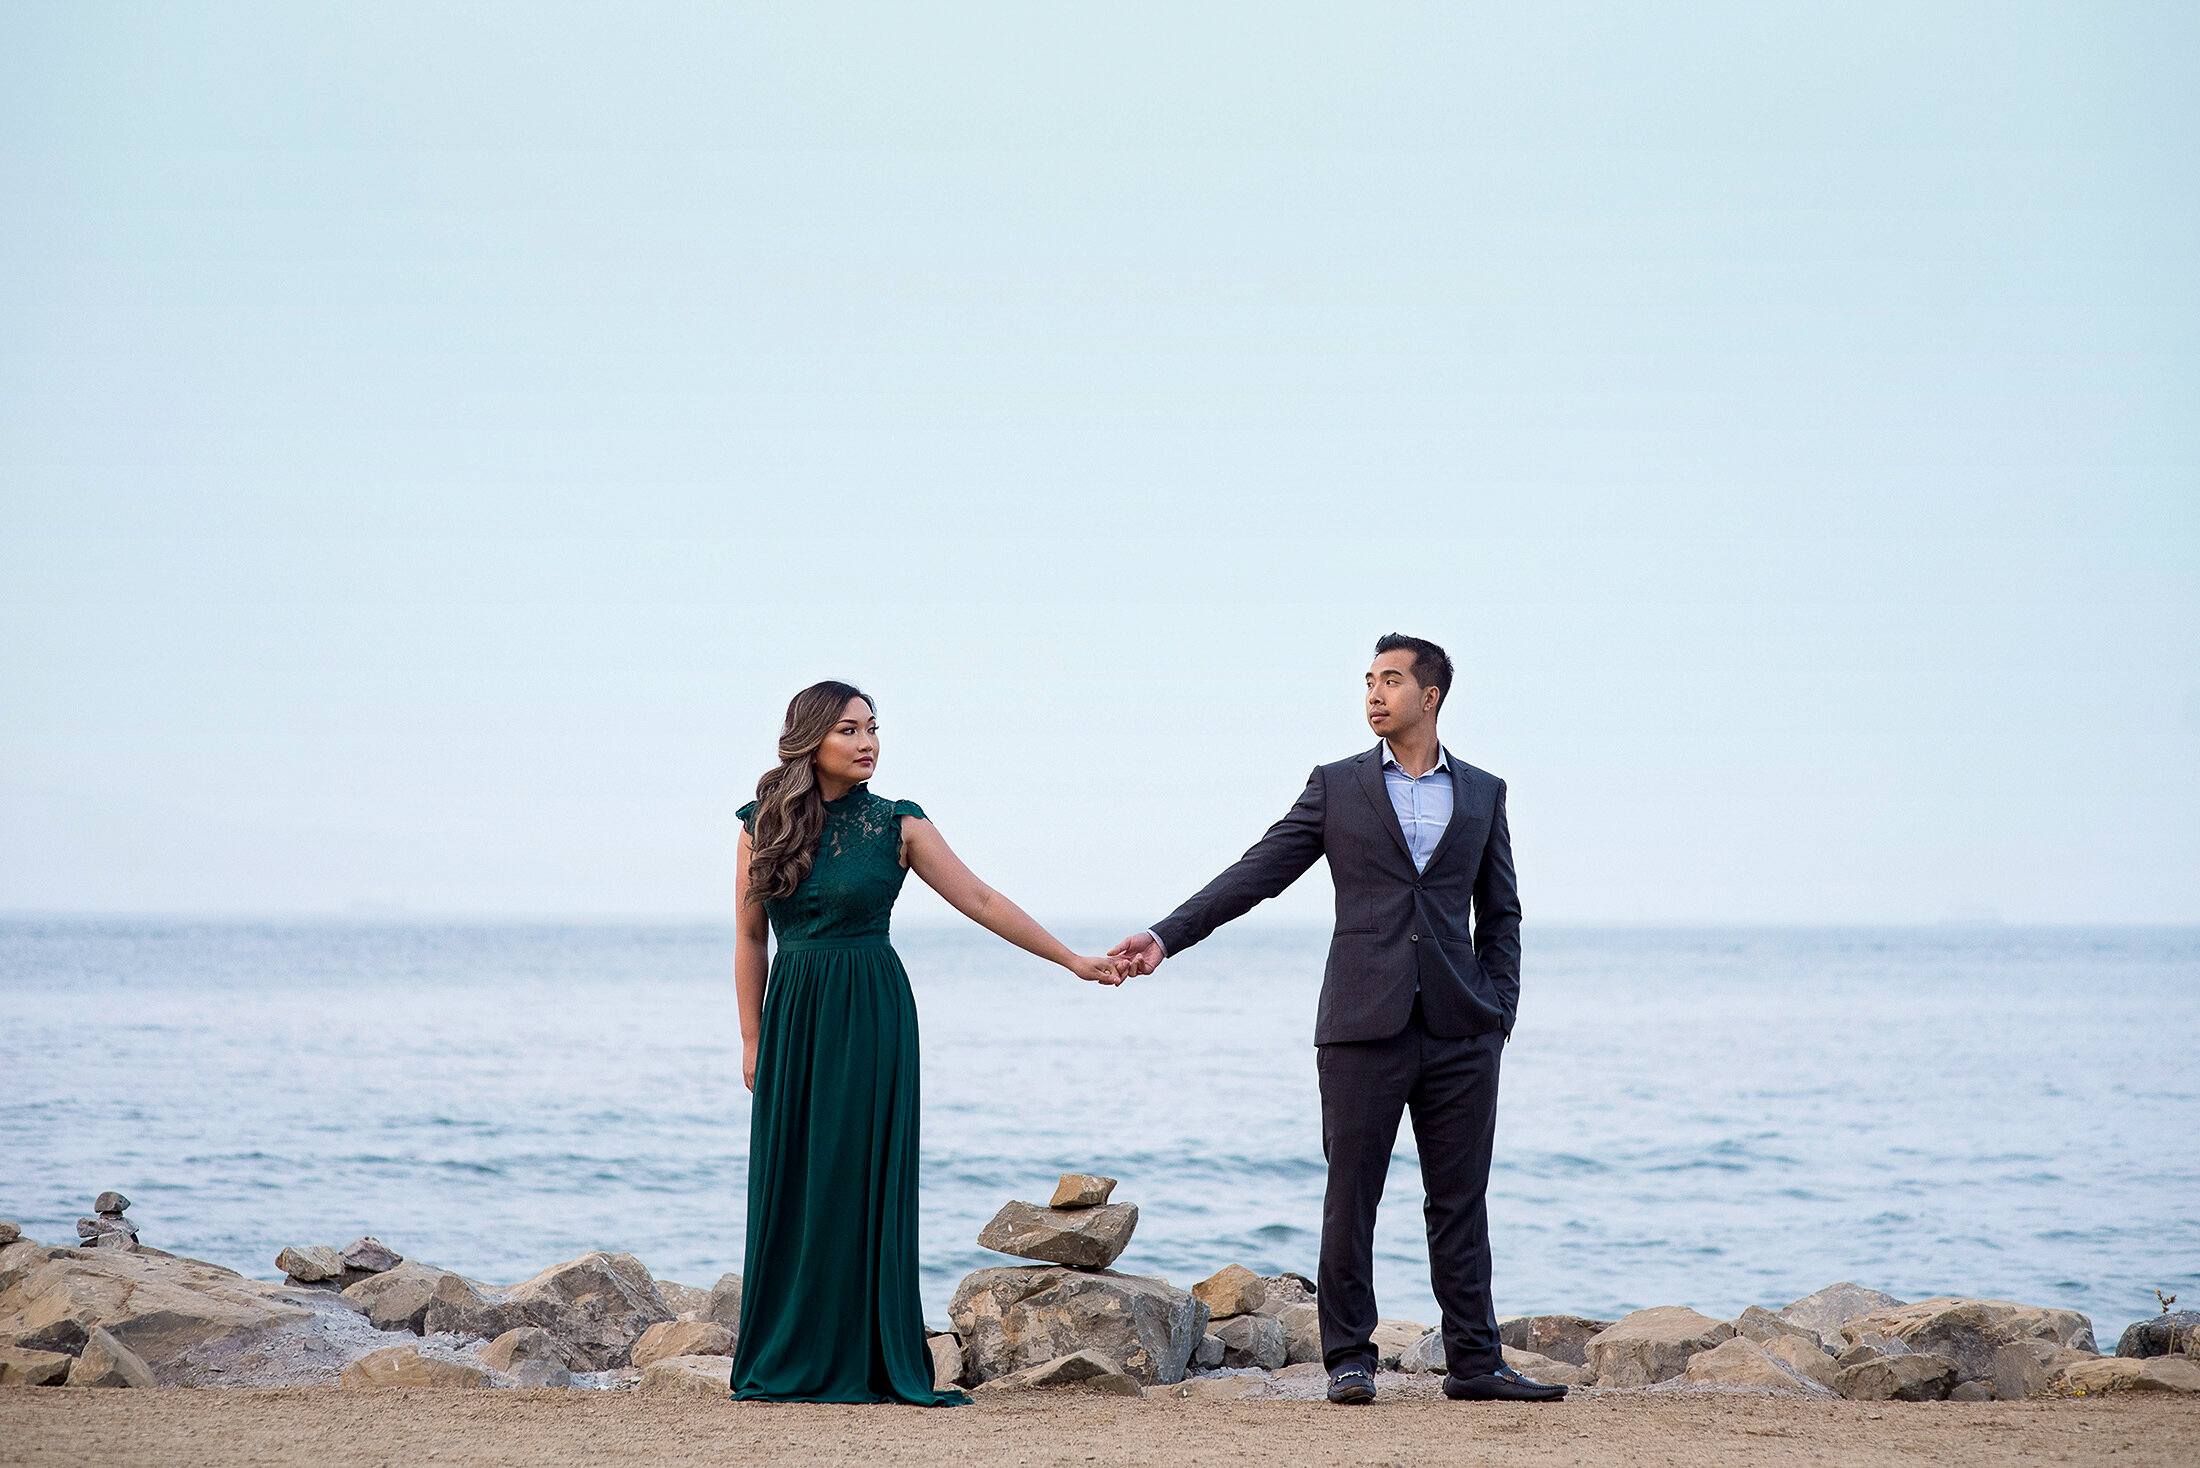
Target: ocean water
1709,1118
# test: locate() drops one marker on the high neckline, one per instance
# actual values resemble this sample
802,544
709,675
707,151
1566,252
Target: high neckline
860,788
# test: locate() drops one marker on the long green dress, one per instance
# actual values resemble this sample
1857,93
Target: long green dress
829,1304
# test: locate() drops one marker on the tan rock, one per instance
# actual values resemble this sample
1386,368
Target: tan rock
157,1306
398,1297
20,1367
1560,1337
2027,1368
725,1303
310,1264
707,1378
1013,1319
1547,1370
2105,1374
1081,1190
1082,1371
1280,1291
1088,1238
405,1366
1762,1326
686,1302
461,1307
1302,1333
1740,1361
1393,1338
1910,1377
529,1355
1804,1359
1231,1290
1650,1346
597,1306
1253,1340
1824,1311
108,1362
1970,1332
682,1338
1220,1388
947,1362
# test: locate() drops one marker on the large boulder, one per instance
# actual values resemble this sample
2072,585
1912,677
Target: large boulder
398,1298
108,1362
705,1378
20,1367
1762,1326
1089,1238
1824,1310
1081,1371
1969,1332
1231,1290
1302,1333
156,1306
1013,1319
597,1306
1909,1377
529,1356
1650,1346
1252,1340
2027,1368
405,1366
458,1306
1560,1337
2103,1374
1803,1358
682,1338
2167,1334
1741,1361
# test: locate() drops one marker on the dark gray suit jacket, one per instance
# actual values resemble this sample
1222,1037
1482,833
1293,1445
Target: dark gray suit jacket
1394,925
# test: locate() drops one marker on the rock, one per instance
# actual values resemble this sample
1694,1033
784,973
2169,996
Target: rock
2104,1374
1231,1290
1973,1391
947,1361
1560,1337
1279,1291
405,1366
10,1231
2167,1334
1913,1377
682,1338
21,1367
1761,1325
1302,1333
597,1306
1012,1319
110,1203
1545,1369
1804,1358
1427,1354
2027,1368
1220,1388
1085,1371
1207,1355
1970,1331
1650,1346
369,1255
1089,1238
157,1306
398,1298
709,1378
1253,1340
529,1355
1869,1343
108,1362
725,1303
1826,1310
1393,1338
686,1302
107,1230
311,1264
1740,1361
460,1307
1081,1190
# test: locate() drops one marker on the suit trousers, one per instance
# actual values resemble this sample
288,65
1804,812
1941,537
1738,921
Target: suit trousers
1451,1087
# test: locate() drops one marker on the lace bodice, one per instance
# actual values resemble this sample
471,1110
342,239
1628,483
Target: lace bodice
849,894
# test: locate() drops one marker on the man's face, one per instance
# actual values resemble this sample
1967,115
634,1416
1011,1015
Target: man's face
1396,702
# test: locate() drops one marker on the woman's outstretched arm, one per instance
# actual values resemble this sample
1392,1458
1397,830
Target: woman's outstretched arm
928,855
751,958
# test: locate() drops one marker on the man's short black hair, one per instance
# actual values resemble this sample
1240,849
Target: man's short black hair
1431,667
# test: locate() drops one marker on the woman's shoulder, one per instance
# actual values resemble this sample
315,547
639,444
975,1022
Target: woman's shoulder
746,815
903,807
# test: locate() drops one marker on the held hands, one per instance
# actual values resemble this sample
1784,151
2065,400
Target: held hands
1097,970
1139,954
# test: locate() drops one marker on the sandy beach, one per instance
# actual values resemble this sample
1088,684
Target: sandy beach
333,1426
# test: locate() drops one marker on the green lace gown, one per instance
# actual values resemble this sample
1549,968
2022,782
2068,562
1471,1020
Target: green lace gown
829,1303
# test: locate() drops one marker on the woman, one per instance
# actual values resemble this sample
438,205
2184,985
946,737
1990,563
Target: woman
829,1309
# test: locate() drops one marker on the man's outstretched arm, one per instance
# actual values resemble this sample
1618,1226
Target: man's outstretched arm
1275,861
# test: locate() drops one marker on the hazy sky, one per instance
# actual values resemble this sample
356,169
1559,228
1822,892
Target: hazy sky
435,441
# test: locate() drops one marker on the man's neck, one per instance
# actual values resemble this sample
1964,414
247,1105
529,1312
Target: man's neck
1416,752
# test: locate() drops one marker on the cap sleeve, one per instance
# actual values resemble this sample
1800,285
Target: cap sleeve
747,814
910,808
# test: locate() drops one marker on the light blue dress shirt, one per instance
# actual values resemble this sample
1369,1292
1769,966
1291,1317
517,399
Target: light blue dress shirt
1423,803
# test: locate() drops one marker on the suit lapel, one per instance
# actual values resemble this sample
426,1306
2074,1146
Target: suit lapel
1462,790
1378,795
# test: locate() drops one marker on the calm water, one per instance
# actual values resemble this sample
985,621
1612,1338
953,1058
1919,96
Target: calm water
1707,1118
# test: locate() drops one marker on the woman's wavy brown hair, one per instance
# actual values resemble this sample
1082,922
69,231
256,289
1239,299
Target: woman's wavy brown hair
790,809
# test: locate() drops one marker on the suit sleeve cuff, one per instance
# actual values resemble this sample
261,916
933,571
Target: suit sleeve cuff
1157,942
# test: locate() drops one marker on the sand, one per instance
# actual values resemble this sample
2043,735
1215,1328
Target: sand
336,1426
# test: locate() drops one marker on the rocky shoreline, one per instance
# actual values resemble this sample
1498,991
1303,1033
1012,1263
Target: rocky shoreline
113,1311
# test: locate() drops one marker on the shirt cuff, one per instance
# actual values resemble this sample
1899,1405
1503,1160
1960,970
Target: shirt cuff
1157,942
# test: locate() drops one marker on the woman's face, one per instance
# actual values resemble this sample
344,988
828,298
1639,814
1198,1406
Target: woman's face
850,750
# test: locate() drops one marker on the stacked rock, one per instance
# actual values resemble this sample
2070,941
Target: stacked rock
1078,1227
108,1229
323,1267
1234,1296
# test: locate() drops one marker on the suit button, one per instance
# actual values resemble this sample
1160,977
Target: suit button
1413,937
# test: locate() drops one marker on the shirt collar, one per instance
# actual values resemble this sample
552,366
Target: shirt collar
1390,760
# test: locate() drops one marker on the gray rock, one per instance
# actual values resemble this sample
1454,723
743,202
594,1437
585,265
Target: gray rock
1083,1371
1650,1346
398,1299
1740,1361
1081,1190
1803,1358
460,1307
1916,1377
725,1302
1302,1333
686,1302
1969,1332
947,1361
310,1264
1088,1238
529,1356
1252,1340
1560,1337
369,1255
2027,1368
108,1362
597,1306
111,1203
1425,1354
1013,1319
1546,1369
10,1231
1761,1325
1282,1290
1866,1344
1824,1310
2167,1334
1393,1338
106,1231
1973,1391
1207,1355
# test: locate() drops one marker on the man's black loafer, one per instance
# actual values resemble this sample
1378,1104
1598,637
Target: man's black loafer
1353,1387
1502,1385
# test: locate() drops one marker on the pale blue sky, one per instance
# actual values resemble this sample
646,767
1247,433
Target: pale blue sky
433,446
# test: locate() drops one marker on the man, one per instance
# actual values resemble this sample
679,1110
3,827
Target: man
1414,1013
